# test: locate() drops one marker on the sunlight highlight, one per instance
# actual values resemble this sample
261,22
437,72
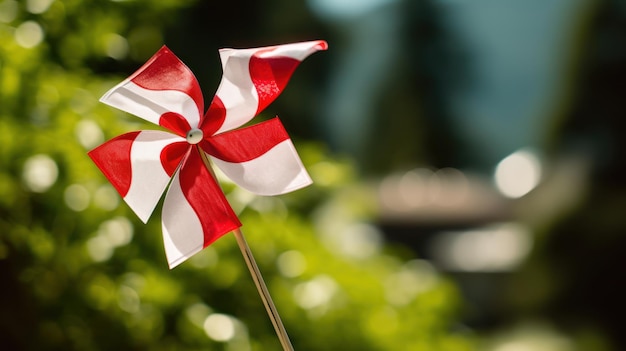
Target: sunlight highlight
40,173
219,327
518,174
495,248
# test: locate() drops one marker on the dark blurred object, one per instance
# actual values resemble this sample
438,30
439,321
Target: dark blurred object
585,250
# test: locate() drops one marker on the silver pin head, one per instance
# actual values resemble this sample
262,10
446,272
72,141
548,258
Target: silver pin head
194,136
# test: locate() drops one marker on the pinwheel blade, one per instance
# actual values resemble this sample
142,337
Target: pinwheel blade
139,166
163,91
252,79
260,158
195,211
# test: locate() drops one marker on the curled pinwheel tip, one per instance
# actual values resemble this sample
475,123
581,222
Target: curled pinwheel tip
322,45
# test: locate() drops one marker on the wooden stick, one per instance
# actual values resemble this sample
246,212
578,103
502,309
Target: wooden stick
262,288
256,276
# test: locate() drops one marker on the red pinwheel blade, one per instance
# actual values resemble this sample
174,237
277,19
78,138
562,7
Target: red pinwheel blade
139,166
260,158
163,91
252,79
195,211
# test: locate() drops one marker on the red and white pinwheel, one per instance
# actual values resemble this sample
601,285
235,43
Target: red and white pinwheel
260,158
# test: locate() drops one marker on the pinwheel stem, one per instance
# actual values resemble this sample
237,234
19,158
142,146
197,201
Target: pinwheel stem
262,288
257,277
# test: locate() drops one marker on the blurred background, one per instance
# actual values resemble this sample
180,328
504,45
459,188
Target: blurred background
467,157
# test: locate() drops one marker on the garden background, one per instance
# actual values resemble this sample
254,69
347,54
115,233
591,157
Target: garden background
467,157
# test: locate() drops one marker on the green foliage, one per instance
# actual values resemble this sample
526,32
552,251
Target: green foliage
80,272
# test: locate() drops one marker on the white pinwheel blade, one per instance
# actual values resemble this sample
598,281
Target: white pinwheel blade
139,165
162,86
278,171
253,78
260,158
182,230
195,211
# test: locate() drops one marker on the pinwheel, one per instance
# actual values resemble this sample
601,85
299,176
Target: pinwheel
260,158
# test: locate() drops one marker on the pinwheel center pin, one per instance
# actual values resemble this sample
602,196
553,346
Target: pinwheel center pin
194,136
